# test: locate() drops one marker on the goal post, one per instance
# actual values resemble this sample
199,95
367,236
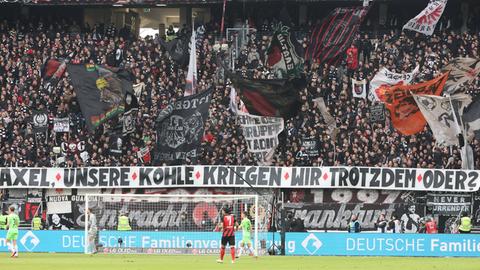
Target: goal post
167,224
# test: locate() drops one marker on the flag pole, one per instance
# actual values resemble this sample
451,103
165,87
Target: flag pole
461,138
222,25
459,130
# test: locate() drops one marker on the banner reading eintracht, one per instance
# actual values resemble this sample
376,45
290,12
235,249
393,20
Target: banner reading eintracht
438,112
180,128
426,20
261,135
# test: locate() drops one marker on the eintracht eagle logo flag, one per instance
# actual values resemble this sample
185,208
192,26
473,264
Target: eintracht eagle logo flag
426,20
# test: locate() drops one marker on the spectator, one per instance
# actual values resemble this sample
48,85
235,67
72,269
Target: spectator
394,225
298,225
207,222
171,33
381,223
354,226
352,58
431,226
465,223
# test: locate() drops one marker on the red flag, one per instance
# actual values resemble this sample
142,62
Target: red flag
144,155
404,112
333,36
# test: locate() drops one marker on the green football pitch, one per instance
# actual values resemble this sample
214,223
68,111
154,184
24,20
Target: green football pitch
38,261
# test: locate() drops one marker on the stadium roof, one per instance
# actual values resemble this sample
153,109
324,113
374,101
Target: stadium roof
153,2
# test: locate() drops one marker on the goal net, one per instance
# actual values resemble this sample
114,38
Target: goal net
167,224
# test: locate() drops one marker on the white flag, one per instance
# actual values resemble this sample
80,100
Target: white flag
462,71
359,88
386,77
261,134
439,114
426,20
191,85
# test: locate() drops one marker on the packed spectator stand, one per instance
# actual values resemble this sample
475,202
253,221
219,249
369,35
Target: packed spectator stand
26,44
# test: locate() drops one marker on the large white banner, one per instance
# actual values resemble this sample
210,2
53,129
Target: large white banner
386,77
261,134
426,20
238,176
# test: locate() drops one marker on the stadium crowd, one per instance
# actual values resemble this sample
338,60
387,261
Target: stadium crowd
24,46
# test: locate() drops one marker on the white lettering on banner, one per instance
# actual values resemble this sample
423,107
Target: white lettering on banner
257,176
149,241
385,244
73,241
466,245
261,134
177,242
112,240
290,246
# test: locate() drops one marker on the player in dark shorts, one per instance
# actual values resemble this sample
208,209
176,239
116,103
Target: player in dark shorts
227,226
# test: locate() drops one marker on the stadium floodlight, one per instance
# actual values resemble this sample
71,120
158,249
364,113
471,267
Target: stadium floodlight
167,224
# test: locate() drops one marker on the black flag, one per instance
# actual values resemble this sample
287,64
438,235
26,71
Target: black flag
278,97
100,92
177,49
116,144
333,36
40,121
180,128
130,115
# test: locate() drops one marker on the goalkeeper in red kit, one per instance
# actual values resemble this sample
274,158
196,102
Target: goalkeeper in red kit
228,236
